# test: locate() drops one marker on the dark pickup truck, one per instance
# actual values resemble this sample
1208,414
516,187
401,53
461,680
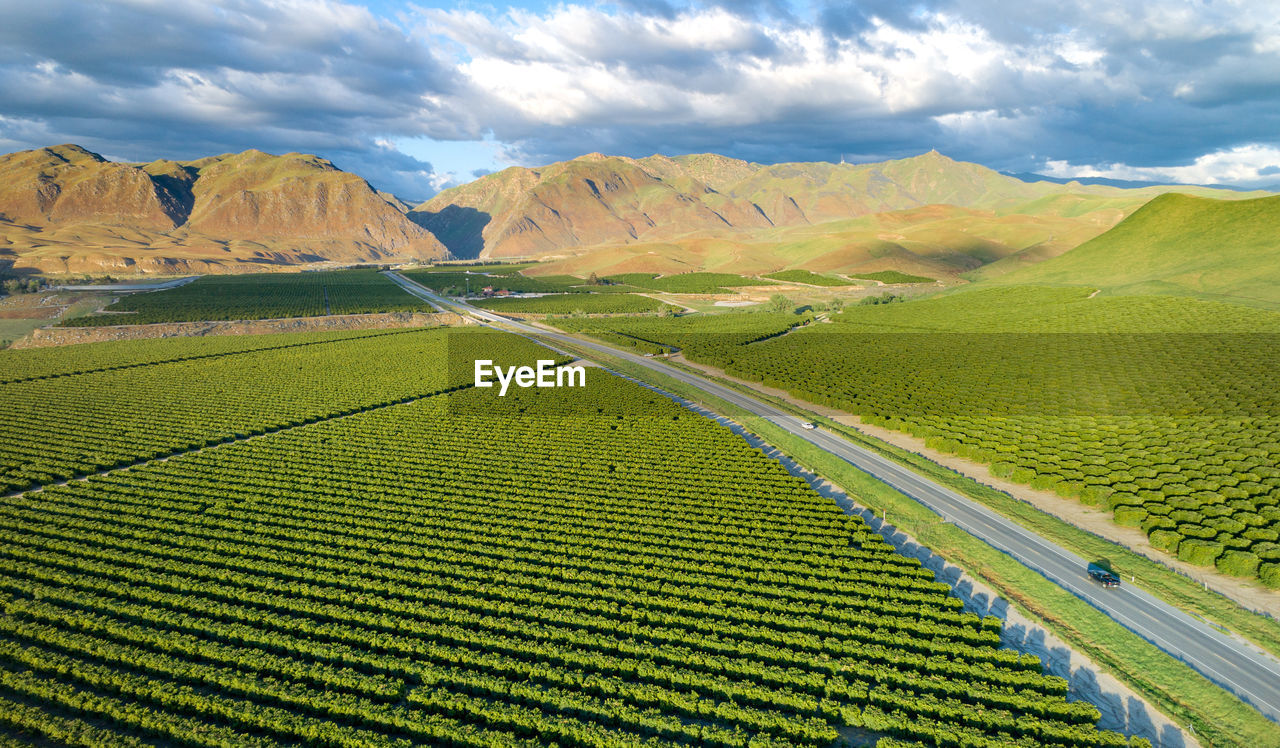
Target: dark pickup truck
1103,576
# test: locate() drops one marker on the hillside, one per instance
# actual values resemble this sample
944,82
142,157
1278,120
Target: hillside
593,199
928,214
66,209
1178,244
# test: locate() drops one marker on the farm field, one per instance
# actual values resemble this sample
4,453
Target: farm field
717,335
586,567
613,303
57,427
456,283
688,282
41,363
260,296
892,276
496,268
449,282
1160,409
805,276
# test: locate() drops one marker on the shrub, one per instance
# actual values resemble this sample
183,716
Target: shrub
1192,530
1119,499
1095,495
1270,575
1238,563
1068,488
1236,542
1023,475
1199,552
1045,482
1267,550
1165,540
1130,516
1003,469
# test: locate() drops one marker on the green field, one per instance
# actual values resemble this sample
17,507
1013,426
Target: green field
1161,409
589,567
805,276
576,303
688,282
57,361
489,268
457,283
1177,244
260,296
892,276
57,427
719,335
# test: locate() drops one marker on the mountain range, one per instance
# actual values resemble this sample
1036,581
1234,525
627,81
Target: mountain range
66,209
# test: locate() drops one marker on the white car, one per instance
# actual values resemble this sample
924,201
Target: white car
807,426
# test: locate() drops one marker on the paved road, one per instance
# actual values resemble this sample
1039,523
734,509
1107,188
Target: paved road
1236,666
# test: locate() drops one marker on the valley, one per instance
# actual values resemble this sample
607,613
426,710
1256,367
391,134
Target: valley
281,508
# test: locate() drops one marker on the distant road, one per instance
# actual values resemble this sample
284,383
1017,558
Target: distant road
123,287
1239,668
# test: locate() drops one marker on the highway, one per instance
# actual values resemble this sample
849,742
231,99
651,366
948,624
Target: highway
1238,667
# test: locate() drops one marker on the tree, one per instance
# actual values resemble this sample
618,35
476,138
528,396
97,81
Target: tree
779,303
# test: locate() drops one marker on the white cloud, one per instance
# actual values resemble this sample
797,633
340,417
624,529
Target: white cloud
1085,83
1243,165
705,66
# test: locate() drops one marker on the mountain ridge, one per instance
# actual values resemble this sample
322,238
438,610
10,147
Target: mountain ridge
619,206
67,209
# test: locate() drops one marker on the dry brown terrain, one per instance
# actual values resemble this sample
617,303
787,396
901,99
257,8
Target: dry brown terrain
66,210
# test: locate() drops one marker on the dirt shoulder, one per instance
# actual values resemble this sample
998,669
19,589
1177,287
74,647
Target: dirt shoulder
1097,521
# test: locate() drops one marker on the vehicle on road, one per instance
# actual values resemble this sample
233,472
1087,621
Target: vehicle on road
807,425
1103,576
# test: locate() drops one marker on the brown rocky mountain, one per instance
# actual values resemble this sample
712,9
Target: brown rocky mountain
67,184
928,214
596,199
67,209
593,199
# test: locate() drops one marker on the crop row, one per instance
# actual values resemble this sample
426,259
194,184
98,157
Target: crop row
589,567
1169,418
56,428
259,296
615,303
68,360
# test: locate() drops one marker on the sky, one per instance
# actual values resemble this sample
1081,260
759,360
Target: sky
419,96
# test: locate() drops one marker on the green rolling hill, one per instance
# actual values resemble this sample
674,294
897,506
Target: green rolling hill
1177,244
